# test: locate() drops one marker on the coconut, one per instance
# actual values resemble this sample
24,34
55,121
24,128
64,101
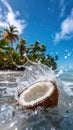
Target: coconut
42,93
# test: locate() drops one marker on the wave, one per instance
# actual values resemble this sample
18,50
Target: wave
68,87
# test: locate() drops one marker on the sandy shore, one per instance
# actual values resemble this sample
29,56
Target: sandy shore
9,72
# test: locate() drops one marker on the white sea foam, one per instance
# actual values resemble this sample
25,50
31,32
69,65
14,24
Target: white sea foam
8,82
68,86
8,72
6,92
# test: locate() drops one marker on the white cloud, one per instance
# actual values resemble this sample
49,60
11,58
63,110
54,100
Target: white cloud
66,29
10,16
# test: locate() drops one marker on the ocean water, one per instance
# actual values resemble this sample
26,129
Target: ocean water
15,117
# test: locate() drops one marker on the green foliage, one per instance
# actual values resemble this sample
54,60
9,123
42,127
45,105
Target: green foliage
37,53
21,46
10,58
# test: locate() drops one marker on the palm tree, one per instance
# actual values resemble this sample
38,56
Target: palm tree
4,45
36,51
21,46
42,48
34,47
10,34
37,47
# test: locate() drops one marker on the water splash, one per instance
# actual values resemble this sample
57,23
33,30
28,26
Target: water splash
33,73
68,87
14,117
7,113
19,118
59,73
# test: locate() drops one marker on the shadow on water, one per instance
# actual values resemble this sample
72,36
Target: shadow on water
15,117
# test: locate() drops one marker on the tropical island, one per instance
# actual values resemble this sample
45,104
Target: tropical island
13,49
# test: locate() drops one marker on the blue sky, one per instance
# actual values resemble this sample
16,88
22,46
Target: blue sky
48,21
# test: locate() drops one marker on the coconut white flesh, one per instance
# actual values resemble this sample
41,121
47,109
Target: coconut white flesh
36,93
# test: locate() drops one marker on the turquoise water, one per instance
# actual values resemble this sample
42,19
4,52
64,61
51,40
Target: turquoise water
15,117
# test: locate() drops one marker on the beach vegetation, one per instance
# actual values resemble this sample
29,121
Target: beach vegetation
13,49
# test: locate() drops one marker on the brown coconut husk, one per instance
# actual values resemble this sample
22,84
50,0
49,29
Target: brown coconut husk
50,101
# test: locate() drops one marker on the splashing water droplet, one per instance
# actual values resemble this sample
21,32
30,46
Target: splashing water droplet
33,73
65,57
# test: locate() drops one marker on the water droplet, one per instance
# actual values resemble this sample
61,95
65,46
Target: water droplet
65,57
35,112
65,116
53,129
